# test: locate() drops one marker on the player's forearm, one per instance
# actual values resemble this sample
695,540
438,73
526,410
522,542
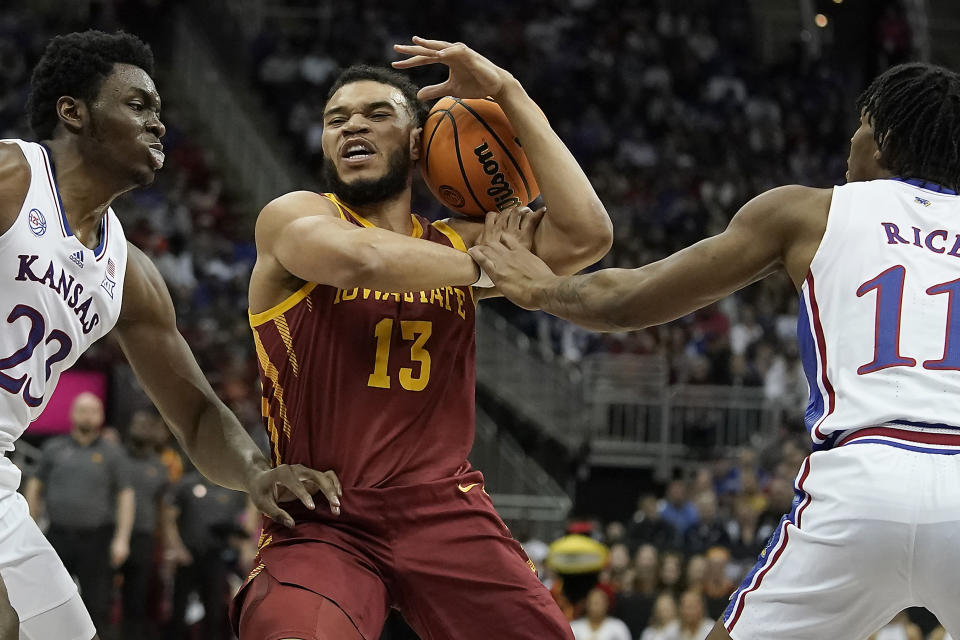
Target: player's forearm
221,448
576,230
387,261
126,507
614,300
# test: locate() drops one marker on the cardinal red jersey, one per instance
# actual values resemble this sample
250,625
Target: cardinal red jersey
377,386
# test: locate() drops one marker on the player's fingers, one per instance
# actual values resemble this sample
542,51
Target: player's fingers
291,480
415,61
479,255
512,243
433,44
331,489
272,510
336,482
533,219
434,91
414,50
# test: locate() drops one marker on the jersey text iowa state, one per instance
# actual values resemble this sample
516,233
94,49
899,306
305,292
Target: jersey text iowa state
64,284
449,298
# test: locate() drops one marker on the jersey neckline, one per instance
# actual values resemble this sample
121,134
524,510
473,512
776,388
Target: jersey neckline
64,223
926,184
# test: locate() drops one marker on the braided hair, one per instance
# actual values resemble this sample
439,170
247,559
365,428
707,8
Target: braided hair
915,109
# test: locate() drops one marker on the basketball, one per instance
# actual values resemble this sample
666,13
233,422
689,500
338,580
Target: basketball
472,160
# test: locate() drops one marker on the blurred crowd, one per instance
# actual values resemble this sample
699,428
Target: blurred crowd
676,120
667,571
670,111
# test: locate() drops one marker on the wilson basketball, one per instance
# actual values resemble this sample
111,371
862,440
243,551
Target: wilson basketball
472,160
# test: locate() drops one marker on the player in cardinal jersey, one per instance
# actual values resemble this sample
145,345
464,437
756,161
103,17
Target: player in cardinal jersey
68,277
875,525
363,320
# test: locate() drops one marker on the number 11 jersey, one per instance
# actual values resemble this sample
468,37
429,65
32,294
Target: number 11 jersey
377,386
879,321
57,298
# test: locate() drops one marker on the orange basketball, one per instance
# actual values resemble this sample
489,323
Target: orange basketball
472,160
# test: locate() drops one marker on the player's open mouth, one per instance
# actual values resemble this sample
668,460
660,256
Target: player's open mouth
356,153
156,154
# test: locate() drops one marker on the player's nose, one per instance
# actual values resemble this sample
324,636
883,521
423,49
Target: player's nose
355,124
156,127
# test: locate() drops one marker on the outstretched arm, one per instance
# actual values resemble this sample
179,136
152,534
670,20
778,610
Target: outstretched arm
301,232
778,228
209,433
576,232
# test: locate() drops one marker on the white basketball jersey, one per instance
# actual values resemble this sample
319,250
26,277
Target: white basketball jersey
57,297
879,322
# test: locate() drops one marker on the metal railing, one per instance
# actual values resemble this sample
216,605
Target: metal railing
252,154
520,488
545,394
638,419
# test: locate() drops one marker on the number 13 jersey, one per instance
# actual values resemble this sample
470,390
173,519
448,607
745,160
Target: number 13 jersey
879,321
377,386
58,297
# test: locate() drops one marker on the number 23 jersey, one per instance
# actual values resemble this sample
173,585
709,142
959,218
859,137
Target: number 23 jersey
376,386
58,297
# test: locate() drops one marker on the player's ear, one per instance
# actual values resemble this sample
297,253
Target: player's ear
72,113
415,137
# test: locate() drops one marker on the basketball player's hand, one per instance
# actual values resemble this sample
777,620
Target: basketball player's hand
287,482
519,222
518,274
471,74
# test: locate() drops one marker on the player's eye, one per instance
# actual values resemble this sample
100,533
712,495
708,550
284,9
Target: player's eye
336,122
380,115
136,106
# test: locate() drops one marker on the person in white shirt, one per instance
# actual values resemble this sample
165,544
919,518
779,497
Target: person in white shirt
694,624
597,625
664,624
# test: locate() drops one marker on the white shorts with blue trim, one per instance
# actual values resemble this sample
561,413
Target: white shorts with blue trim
874,529
38,585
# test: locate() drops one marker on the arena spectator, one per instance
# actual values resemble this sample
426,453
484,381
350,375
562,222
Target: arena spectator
202,522
647,527
694,623
83,487
596,623
664,623
148,477
678,512
900,628
708,530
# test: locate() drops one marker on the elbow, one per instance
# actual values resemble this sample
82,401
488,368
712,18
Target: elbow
595,241
361,267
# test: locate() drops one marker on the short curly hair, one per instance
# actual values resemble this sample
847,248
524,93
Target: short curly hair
76,65
383,75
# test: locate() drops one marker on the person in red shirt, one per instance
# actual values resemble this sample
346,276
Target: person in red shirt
363,321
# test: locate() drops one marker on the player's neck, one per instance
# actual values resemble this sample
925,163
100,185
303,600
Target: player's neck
392,214
86,190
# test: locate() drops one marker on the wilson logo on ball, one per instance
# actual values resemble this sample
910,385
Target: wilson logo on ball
451,196
500,190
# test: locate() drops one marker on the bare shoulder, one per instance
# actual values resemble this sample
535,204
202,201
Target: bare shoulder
469,229
145,294
794,219
281,211
14,183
